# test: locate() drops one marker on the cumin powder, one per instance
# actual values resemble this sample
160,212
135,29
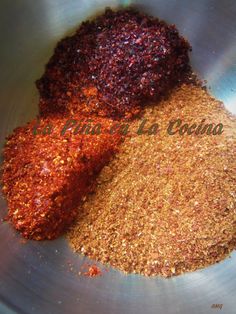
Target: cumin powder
165,204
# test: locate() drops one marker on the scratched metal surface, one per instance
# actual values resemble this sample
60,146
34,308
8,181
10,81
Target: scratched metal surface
35,277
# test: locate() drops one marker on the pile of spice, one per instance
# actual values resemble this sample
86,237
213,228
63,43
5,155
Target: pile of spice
48,168
112,65
108,68
166,203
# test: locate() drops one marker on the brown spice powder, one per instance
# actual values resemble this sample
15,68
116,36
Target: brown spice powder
165,204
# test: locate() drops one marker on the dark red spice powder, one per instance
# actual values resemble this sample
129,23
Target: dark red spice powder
112,65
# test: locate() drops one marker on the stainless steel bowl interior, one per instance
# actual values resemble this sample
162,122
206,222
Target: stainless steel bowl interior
35,277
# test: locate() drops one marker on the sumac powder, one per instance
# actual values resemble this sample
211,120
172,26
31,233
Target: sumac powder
113,65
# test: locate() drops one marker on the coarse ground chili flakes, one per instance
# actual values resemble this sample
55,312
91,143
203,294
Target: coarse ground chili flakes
166,203
45,176
112,65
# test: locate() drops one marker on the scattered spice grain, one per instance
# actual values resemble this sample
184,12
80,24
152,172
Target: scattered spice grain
166,204
93,271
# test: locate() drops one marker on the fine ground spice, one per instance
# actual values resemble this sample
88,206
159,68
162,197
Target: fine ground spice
112,65
46,175
166,203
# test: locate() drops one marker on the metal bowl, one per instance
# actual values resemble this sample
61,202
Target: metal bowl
36,277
